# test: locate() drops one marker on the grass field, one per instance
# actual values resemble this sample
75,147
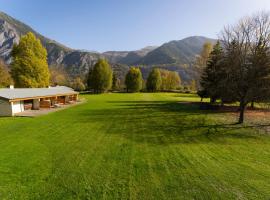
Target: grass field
133,146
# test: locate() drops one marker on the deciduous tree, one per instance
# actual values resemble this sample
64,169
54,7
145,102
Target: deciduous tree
247,60
154,81
100,77
78,84
5,78
116,83
29,67
134,80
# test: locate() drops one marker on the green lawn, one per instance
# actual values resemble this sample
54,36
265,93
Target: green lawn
133,146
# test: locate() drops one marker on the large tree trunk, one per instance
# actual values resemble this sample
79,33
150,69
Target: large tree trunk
242,111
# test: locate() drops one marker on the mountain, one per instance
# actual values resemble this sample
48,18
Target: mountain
11,30
127,57
134,57
176,52
174,55
115,56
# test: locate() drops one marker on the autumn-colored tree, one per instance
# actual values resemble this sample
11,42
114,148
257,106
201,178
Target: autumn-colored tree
201,60
170,80
174,80
5,78
78,84
29,67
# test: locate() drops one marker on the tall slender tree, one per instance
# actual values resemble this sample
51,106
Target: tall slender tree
29,67
154,81
212,73
134,80
100,77
115,82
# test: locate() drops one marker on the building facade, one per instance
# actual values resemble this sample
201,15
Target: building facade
16,100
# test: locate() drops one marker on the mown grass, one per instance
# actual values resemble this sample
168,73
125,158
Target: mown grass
133,146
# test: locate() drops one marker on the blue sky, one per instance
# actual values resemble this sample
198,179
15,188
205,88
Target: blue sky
103,25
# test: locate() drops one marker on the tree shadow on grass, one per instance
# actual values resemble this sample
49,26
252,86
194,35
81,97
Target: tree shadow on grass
167,122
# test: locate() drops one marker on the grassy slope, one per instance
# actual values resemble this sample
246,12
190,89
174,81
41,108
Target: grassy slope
132,146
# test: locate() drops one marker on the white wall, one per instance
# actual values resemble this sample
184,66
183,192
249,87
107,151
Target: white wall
5,108
17,107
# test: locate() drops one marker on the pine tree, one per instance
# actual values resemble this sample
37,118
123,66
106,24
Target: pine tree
100,77
210,79
29,67
134,80
154,81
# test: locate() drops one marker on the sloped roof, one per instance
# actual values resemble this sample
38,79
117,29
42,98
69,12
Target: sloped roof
25,93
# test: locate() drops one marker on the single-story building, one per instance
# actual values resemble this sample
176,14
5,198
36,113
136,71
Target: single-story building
15,100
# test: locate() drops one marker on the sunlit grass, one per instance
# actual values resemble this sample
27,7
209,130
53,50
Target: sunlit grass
133,146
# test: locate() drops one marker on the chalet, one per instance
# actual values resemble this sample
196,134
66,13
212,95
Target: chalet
16,100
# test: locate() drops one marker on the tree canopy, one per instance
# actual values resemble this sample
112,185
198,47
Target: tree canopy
5,78
29,67
78,84
241,72
212,73
170,80
134,80
154,81
116,82
100,76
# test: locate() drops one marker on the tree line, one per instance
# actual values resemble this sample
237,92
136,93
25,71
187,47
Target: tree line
238,67
101,79
29,69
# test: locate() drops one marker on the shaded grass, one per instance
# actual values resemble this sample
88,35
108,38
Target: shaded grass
133,146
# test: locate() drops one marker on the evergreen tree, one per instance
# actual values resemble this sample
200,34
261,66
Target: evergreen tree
100,77
154,81
210,78
134,80
29,67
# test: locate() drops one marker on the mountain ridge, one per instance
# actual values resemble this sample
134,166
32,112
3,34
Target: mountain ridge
173,54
